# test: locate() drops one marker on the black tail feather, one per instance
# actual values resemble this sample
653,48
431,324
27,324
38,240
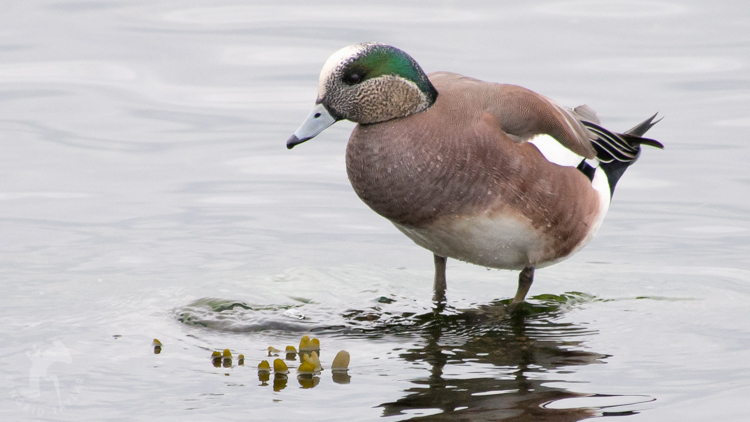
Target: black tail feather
642,141
617,151
635,134
641,128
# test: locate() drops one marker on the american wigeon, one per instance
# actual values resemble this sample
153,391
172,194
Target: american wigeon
491,174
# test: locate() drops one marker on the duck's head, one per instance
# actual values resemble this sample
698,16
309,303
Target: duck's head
366,83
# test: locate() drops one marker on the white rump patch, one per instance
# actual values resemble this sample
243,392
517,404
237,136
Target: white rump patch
555,152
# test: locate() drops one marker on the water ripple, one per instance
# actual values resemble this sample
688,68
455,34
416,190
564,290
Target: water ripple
244,15
613,9
387,315
82,72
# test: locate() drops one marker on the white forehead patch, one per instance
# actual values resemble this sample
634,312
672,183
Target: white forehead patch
333,62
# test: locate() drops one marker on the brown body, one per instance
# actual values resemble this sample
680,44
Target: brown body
486,173
462,167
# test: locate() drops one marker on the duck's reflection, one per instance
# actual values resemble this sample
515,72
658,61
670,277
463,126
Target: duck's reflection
525,352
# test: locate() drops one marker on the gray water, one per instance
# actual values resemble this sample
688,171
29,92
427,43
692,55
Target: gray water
146,192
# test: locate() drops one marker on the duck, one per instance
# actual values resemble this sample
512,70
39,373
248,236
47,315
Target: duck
491,174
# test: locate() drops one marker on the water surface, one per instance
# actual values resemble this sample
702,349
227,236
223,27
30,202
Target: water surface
146,192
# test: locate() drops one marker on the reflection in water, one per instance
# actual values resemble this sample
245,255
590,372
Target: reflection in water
308,380
157,346
279,381
524,349
342,377
483,363
216,359
263,377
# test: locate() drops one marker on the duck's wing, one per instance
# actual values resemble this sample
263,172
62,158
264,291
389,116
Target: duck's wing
524,114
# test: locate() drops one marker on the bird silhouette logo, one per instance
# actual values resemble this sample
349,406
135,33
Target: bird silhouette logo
41,361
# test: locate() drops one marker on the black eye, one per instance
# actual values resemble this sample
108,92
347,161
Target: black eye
353,78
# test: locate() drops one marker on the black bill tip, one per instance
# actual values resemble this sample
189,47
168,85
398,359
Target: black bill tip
294,141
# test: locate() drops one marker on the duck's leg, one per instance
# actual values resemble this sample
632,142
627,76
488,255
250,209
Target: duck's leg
440,283
524,284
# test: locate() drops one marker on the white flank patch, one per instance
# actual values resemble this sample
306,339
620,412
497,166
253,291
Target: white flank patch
333,62
555,152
